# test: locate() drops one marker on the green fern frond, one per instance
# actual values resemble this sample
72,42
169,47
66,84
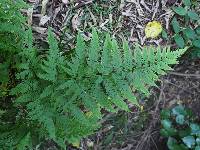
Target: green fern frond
50,65
63,98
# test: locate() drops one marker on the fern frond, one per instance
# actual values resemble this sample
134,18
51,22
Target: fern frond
50,65
63,99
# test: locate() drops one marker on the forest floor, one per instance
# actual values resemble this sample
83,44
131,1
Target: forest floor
123,19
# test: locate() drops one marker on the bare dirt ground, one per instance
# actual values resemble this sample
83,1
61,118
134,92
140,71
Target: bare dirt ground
138,130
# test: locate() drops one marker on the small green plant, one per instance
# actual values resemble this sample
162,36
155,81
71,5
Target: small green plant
186,27
180,127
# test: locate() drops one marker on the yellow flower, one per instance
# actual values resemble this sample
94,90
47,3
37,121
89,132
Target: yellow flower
153,29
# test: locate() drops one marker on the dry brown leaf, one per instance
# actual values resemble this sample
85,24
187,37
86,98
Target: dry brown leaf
65,1
40,30
57,10
31,1
93,17
44,20
155,9
122,4
76,20
44,7
30,15
104,23
145,6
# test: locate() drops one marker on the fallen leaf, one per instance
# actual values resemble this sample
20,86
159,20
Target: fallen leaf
90,143
30,15
44,20
76,21
153,29
39,30
65,1
44,6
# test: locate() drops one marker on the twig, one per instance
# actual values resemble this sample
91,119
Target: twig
155,9
154,143
145,6
185,75
147,134
167,81
82,4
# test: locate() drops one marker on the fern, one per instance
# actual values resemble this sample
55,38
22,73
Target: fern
12,25
58,94
62,99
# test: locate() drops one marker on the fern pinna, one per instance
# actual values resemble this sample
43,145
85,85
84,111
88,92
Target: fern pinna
62,99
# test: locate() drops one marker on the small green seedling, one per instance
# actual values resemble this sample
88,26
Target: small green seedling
179,126
187,31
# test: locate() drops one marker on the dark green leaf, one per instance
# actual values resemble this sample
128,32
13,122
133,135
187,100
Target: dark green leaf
4,72
166,123
180,147
195,53
180,119
195,129
184,132
175,25
171,143
198,141
189,113
189,141
164,133
180,11
193,15
168,132
196,43
179,110
164,34
187,2
198,30
165,114
24,143
108,138
197,148
190,33
179,41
